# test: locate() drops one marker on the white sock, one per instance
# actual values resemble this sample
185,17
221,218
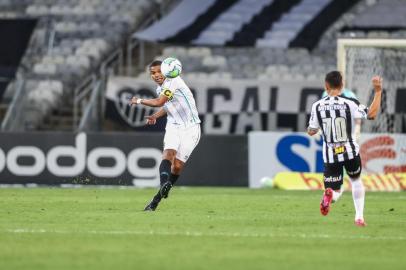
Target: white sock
358,195
337,195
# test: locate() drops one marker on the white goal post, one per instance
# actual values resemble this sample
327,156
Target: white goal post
359,60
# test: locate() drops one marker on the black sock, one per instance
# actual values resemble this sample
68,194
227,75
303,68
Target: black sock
157,197
173,178
164,170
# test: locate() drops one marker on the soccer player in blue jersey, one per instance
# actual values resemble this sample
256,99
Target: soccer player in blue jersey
182,132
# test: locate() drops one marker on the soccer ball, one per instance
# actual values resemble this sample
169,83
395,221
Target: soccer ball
171,67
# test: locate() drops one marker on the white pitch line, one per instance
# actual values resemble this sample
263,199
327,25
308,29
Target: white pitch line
210,234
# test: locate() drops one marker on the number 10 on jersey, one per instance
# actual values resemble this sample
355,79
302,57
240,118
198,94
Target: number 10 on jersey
340,129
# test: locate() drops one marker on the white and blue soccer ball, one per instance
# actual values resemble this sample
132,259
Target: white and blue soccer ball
171,67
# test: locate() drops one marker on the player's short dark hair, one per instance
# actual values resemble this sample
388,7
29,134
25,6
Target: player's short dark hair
334,79
155,63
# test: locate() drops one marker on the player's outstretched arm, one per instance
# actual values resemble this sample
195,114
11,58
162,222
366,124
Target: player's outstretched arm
155,102
376,102
151,119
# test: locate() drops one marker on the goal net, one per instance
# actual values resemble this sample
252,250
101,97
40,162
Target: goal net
359,60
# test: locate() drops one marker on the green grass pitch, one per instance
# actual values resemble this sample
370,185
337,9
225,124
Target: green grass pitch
197,228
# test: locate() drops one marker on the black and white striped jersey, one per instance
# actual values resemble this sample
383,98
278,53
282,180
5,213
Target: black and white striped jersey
335,116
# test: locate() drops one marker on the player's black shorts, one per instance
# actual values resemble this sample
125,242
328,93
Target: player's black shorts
333,172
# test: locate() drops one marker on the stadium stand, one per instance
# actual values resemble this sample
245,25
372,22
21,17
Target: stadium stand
310,34
261,22
291,23
71,41
345,26
250,63
297,45
230,21
217,39
368,19
200,23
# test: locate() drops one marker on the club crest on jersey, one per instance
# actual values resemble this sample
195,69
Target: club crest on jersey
167,93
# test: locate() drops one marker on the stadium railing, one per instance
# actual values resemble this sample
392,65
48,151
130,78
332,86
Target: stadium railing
14,116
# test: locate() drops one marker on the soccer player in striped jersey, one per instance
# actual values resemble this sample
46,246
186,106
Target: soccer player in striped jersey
350,94
335,115
182,132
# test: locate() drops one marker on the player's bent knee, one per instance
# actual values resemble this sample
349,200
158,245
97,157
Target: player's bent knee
169,154
354,177
177,167
176,170
354,174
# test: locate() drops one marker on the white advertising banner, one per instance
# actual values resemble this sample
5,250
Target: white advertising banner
274,152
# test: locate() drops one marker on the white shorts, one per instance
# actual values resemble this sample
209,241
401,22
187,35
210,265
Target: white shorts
183,140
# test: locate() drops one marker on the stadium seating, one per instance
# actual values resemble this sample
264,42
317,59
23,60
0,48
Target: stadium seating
349,25
273,57
368,19
78,35
229,22
288,27
250,63
73,37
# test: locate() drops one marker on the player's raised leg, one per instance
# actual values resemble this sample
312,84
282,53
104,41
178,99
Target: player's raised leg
189,139
153,204
176,169
164,177
165,171
329,196
333,181
326,201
